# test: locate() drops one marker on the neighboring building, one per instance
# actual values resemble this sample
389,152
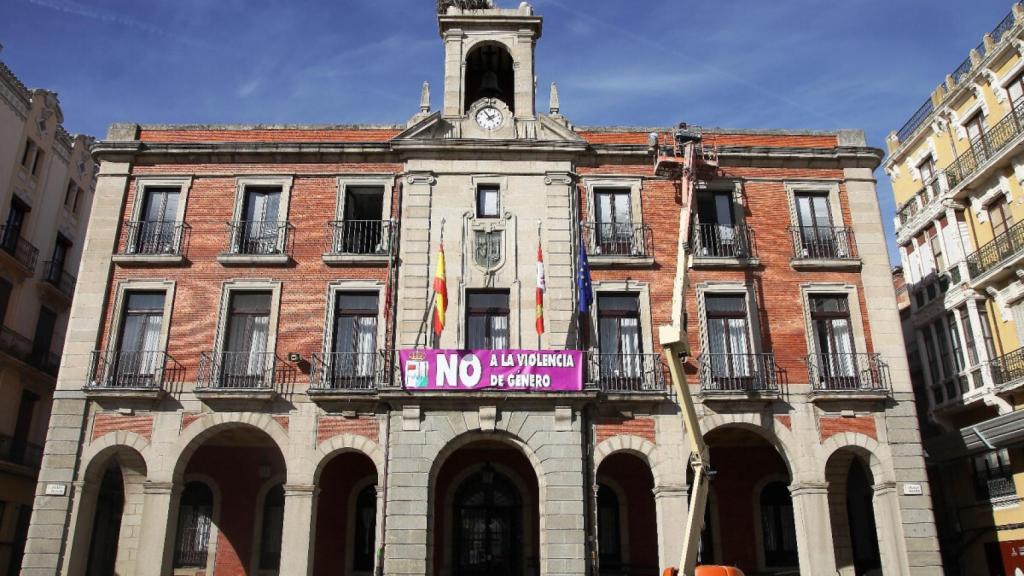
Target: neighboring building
47,179
957,168
240,409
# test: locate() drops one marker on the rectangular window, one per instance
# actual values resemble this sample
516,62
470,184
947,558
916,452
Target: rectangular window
487,316
260,231
31,156
488,201
986,331
932,354
927,169
613,220
69,195
1016,88
14,224
975,129
619,341
354,340
23,425
245,356
728,336
78,197
936,244
157,226
993,475
716,235
5,298
814,220
833,335
61,247
43,339
362,229
972,346
1000,216
954,339
138,357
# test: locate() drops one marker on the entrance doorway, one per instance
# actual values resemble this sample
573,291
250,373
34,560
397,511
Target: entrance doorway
488,525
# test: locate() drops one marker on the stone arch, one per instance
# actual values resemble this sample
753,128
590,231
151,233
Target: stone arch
639,447
97,454
489,56
780,437
347,443
193,436
864,447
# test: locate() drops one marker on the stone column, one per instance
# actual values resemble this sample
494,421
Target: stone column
159,519
672,505
419,242
83,510
813,528
299,531
887,523
378,532
559,260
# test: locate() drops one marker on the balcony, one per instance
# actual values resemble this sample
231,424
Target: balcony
842,375
618,244
131,373
20,453
626,373
718,245
360,242
58,282
21,348
345,373
932,189
257,243
738,375
232,375
18,251
1002,254
987,146
830,247
916,121
1008,370
156,242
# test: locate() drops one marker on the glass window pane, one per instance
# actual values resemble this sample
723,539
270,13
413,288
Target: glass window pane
356,301
621,303
138,301
488,300
250,302
735,303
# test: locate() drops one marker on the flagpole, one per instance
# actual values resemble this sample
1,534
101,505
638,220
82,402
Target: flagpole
542,295
428,321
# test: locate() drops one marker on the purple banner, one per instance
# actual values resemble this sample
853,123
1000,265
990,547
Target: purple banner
510,370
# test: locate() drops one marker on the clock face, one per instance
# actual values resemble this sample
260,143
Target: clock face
489,118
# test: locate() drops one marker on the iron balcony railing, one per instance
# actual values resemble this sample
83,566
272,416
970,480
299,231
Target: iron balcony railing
962,70
989,144
21,348
22,250
258,237
994,488
362,237
916,121
131,369
20,452
55,275
237,370
1003,27
933,188
627,373
155,238
718,241
349,371
998,250
618,239
823,243
1008,367
722,372
847,372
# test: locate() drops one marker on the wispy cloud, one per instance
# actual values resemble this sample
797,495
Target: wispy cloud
76,9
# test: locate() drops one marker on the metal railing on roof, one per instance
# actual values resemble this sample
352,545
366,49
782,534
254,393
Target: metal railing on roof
916,121
962,70
1003,26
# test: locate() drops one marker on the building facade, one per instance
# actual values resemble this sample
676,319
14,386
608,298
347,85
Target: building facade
241,398
47,180
957,170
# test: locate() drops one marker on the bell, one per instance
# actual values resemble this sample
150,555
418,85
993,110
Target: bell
489,85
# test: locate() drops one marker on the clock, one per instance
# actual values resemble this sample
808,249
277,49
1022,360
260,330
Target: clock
489,118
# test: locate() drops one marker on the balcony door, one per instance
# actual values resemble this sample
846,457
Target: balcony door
717,225
158,221
354,342
138,355
260,228
614,221
814,218
43,339
833,336
619,341
729,340
245,362
487,316
362,228
14,224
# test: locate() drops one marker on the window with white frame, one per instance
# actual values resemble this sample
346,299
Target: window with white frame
245,355
487,319
488,201
613,222
730,351
260,230
354,338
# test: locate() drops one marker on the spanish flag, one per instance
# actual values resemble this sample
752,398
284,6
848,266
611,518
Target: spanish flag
440,293
541,286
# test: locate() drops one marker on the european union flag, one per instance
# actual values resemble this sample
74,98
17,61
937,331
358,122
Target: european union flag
584,285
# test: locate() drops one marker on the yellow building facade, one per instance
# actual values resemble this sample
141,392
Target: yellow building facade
957,171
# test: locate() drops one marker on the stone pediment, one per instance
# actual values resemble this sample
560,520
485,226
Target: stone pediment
435,126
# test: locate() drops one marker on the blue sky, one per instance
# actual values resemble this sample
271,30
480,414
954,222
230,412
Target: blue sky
817,64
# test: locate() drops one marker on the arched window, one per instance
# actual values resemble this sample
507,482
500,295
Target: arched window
609,533
488,525
490,74
366,525
777,526
273,524
195,513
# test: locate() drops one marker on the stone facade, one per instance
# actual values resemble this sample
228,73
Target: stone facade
279,467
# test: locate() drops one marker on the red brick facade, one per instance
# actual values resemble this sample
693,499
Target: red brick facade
832,425
330,426
105,423
639,427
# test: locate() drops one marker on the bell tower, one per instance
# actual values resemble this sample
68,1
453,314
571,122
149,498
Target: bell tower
488,68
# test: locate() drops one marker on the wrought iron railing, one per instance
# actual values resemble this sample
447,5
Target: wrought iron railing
916,121
998,250
21,453
131,369
823,243
193,540
962,70
933,188
156,238
237,370
996,487
22,348
22,250
718,241
847,372
362,237
258,237
738,373
626,373
55,275
349,371
1008,367
1003,27
984,147
618,239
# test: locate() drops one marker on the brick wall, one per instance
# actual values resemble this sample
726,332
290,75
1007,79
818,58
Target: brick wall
330,426
105,423
640,427
831,425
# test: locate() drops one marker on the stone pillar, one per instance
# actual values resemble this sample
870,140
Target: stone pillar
299,533
562,529
559,260
83,510
408,478
887,523
813,528
378,532
417,250
159,519
672,505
